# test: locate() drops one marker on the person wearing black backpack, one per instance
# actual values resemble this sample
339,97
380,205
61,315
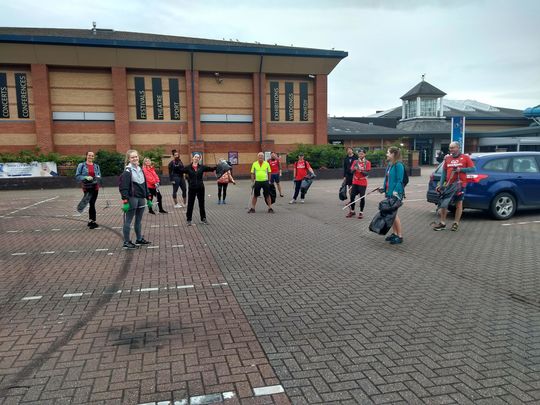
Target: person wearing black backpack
394,186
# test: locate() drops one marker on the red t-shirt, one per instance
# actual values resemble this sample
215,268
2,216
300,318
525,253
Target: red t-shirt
451,163
359,178
302,168
274,165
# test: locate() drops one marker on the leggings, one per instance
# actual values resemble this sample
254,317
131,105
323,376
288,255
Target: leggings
92,202
199,194
297,184
361,191
154,192
136,211
222,186
179,182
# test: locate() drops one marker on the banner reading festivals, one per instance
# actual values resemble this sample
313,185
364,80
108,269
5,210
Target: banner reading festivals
21,88
174,99
304,110
289,101
4,100
274,101
140,98
157,97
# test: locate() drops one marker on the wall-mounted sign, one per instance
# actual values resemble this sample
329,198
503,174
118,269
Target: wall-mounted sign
21,88
157,98
304,108
174,99
274,101
233,158
4,99
289,101
140,98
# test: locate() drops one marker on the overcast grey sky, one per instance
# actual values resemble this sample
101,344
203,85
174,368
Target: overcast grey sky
485,50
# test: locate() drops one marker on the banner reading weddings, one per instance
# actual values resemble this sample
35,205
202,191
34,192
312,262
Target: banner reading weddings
34,169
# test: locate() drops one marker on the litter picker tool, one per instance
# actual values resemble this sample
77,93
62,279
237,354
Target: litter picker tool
359,198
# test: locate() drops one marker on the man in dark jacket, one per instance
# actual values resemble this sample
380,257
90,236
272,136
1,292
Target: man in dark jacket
177,178
347,163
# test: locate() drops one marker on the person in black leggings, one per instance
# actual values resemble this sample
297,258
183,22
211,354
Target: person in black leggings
89,174
177,178
194,173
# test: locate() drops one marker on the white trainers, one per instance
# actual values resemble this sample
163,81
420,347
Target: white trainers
178,206
292,202
301,201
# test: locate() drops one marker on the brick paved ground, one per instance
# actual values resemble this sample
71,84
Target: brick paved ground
323,308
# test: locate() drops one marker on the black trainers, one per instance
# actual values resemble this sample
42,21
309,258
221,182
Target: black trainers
129,245
439,227
204,221
389,238
396,240
251,211
142,242
270,211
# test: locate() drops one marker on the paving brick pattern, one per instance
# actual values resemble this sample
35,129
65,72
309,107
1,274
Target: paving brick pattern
304,298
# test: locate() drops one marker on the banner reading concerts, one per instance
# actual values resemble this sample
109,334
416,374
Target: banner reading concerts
34,169
4,99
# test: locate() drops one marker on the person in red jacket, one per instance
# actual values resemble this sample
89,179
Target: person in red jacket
152,181
360,169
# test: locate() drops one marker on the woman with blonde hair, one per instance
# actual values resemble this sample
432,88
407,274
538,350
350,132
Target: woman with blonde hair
135,195
152,181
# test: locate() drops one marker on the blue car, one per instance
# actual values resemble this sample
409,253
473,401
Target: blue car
503,183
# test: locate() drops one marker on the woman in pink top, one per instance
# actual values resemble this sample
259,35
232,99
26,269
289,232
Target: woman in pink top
152,181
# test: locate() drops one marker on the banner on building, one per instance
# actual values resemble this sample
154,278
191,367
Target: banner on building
140,98
174,99
274,101
33,169
21,88
4,99
458,132
157,98
304,107
289,101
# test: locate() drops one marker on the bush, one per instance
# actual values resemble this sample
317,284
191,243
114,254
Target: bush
327,156
155,155
110,163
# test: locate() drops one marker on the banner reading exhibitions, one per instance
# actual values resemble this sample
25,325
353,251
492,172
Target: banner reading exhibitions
289,101
274,101
174,99
140,98
458,132
4,99
304,114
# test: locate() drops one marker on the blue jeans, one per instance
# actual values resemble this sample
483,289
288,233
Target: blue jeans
136,210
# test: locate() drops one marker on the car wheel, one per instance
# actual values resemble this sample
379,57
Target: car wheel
503,206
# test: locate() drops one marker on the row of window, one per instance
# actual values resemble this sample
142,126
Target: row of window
428,108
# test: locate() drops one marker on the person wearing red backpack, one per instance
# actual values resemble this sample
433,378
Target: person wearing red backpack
301,169
360,169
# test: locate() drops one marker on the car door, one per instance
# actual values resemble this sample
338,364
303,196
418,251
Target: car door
526,170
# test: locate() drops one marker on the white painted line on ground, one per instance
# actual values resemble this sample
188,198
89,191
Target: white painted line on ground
147,289
116,227
219,284
154,226
177,246
37,230
521,223
30,206
418,199
55,229
14,231
102,250
270,390
18,254
48,253
153,247
181,287
72,251
33,297
73,295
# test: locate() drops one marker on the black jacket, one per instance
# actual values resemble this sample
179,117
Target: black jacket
195,177
347,163
175,169
129,188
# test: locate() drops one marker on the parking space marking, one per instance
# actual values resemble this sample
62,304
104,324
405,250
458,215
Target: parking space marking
18,254
32,298
69,295
197,400
29,206
269,390
521,223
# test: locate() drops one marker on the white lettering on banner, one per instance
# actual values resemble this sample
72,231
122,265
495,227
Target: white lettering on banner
5,104
275,98
304,110
176,110
290,112
24,96
159,105
142,104
34,169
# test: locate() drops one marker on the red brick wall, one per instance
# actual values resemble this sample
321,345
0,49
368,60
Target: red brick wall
42,108
321,110
121,109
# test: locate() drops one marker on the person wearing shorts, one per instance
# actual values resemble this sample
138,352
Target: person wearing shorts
275,174
260,173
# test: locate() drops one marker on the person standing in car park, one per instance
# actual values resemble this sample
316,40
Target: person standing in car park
177,178
456,165
347,164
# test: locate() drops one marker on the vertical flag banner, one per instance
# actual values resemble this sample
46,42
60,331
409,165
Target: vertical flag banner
274,101
157,98
174,98
289,101
140,98
4,99
304,115
458,132
21,89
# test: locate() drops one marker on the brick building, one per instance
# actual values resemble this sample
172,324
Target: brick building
70,91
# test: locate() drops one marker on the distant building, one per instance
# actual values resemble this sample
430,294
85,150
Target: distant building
424,121
69,91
